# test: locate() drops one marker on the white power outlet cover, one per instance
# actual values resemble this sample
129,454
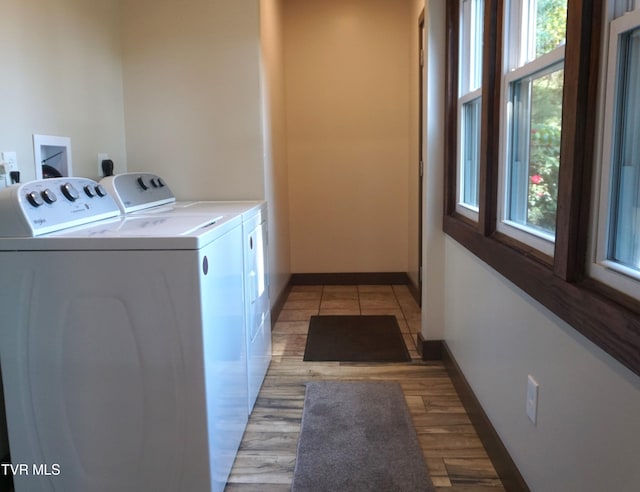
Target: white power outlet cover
11,161
532,399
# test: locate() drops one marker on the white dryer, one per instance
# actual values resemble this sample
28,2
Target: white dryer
122,345
149,194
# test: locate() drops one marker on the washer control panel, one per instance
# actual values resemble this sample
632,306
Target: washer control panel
48,205
138,191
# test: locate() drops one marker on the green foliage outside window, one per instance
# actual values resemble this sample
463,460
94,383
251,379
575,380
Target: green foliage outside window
546,120
543,176
551,22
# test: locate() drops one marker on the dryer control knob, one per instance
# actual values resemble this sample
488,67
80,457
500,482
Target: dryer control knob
88,189
49,196
69,192
34,199
142,184
154,183
101,191
161,183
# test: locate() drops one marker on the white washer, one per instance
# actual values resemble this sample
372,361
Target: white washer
122,348
148,194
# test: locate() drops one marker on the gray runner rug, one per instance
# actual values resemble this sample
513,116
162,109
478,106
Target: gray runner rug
358,436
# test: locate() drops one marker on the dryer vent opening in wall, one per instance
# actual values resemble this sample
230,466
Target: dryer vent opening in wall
52,156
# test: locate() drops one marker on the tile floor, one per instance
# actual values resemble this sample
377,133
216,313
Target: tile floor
455,457
305,301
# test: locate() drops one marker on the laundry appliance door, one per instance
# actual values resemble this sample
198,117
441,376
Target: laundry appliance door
104,374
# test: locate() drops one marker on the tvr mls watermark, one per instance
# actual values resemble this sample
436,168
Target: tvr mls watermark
36,470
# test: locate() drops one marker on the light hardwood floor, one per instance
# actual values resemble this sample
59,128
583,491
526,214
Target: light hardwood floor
454,455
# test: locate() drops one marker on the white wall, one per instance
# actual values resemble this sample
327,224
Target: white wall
587,436
193,101
62,76
276,169
432,237
347,81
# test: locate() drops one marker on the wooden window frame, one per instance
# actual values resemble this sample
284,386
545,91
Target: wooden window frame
607,317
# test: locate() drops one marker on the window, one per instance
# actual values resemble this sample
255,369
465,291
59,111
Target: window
469,106
618,233
532,92
541,189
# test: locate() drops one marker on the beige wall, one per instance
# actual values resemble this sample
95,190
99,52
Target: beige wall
193,102
347,82
62,76
276,169
204,104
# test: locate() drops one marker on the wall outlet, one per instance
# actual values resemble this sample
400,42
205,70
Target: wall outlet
532,399
10,161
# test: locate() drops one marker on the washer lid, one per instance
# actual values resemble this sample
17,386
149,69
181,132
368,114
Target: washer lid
247,208
143,226
132,233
